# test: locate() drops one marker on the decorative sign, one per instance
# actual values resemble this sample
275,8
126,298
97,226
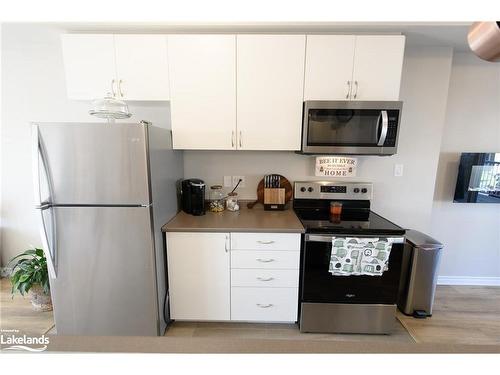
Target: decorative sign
336,166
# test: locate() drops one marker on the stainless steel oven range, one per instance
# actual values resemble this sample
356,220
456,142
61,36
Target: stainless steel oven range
350,264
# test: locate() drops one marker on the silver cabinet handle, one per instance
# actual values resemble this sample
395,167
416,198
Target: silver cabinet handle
356,92
265,278
264,306
241,145
265,242
264,260
226,243
113,87
232,139
348,90
120,88
385,126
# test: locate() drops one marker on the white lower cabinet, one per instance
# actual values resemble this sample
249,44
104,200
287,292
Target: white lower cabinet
233,276
264,304
264,278
199,275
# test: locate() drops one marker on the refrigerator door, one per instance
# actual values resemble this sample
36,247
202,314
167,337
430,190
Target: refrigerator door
95,163
106,281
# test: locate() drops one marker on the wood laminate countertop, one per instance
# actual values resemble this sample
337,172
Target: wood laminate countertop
244,220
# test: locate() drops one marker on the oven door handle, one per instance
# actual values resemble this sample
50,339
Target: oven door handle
385,126
323,238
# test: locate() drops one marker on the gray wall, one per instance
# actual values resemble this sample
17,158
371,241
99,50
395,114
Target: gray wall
470,232
33,89
408,199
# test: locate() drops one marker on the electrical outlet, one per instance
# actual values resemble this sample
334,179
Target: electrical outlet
228,181
398,170
236,179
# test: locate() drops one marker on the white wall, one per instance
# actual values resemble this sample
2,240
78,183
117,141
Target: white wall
406,200
470,232
33,89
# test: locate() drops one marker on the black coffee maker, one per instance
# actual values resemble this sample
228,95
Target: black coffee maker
193,196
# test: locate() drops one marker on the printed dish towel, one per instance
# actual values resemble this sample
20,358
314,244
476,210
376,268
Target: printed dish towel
359,256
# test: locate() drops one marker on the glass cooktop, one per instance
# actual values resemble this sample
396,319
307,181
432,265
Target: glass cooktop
358,222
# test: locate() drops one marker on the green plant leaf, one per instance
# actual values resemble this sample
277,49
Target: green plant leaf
39,252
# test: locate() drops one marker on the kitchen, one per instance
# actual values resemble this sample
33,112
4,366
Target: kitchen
229,124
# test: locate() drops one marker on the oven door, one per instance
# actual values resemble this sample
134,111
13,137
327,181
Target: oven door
350,127
319,285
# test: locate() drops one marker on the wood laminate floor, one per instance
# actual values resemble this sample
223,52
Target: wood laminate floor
17,314
468,315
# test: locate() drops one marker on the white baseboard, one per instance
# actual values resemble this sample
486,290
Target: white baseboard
468,280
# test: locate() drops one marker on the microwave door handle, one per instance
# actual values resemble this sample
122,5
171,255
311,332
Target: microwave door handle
385,127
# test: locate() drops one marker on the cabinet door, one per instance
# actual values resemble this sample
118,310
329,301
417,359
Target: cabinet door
89,64
329,60
378,64
203,91
142,67
199,275
270,89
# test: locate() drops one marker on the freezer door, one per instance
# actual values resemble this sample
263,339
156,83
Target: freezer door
95,163
106,281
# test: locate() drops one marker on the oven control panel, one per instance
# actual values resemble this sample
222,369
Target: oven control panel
333,190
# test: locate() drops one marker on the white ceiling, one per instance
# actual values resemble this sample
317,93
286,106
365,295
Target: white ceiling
418,33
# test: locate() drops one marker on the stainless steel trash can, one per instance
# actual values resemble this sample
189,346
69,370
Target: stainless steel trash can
421,258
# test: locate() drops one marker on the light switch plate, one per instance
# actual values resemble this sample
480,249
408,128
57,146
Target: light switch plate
236,179
398,170
228,181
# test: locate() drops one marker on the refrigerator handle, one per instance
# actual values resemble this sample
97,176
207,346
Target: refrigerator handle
50,254
38,154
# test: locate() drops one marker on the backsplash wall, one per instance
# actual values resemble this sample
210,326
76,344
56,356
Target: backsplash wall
406,200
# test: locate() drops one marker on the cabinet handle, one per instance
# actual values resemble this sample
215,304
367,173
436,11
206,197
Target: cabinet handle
240,140
232,139
113,87
264,306
120,87
265,242
264,278
348,90
264,260
356,92
226,246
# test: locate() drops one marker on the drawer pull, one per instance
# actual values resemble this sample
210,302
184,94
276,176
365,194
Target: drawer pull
264,306
265,242
265,260
265,279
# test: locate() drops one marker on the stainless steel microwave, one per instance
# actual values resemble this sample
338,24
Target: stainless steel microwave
351,127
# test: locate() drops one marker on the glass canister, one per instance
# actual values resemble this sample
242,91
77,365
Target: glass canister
232,202
216,198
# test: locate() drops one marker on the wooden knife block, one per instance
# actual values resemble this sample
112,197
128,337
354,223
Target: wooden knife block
274,199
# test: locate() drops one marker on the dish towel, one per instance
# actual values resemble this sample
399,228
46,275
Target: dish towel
359,256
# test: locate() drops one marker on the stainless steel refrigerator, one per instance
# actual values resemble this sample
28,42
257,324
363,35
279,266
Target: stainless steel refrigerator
103,192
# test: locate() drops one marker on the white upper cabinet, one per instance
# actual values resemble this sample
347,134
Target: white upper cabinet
130,67
141,67
329,61
89,62
349,67
203,91
270,84
378,63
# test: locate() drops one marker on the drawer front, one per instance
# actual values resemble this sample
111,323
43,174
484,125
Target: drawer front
273,259
264,278
264,304
265,241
